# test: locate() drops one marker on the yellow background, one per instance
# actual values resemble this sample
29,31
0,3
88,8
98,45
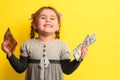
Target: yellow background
80,17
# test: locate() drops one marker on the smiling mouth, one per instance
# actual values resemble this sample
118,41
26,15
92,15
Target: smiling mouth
47,25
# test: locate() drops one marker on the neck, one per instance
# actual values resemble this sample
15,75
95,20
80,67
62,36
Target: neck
46,39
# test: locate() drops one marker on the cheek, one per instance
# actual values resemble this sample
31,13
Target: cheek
40,22
56,25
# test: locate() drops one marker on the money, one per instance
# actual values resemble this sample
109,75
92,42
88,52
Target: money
12,43
89,40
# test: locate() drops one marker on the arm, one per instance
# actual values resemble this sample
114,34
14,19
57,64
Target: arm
19,65
69,66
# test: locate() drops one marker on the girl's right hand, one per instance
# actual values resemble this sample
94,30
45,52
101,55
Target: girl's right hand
5,49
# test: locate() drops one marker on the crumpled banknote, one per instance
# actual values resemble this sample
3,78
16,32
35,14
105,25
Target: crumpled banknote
12,43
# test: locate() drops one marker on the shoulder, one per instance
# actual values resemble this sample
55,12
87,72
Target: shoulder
28,42
62,43
65,51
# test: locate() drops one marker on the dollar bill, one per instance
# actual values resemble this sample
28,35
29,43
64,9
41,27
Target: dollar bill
89,40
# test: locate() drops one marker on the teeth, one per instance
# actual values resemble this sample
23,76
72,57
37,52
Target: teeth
47,25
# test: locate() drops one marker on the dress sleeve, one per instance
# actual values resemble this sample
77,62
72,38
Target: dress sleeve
65,52
25,49
67,65
21,63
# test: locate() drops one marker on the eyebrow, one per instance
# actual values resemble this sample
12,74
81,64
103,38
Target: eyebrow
50,15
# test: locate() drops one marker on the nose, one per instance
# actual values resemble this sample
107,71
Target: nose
47,20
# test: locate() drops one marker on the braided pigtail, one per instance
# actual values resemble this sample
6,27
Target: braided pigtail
57,34
32,33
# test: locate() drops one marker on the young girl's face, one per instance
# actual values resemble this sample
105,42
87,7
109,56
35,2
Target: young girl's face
47,22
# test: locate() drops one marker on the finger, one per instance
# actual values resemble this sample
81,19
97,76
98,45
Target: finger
4,47
84,51
4,44
85,48
83,55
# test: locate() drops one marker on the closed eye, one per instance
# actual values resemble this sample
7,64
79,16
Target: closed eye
42,17
52,18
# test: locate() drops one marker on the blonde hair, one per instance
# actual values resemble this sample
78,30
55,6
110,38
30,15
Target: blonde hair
34,18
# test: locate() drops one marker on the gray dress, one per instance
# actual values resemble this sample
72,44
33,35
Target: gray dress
49,55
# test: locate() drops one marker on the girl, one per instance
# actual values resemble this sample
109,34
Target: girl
45,57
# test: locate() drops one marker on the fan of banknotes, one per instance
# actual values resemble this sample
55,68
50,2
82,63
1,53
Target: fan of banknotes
12,43
87,41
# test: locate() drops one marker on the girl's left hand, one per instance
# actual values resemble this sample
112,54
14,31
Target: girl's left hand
84,50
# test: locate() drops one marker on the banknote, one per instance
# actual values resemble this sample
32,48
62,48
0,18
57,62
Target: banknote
12,43
89,40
